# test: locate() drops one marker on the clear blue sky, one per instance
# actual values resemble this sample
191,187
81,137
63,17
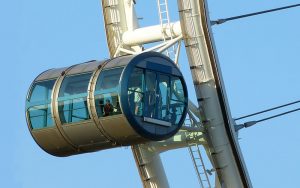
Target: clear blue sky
259,57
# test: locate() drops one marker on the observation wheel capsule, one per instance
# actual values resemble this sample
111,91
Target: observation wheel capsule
105,104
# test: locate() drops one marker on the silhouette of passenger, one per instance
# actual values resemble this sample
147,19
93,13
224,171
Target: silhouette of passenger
108,108
173,115
150,96
138,101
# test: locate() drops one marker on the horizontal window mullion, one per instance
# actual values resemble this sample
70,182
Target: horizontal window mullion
39,103
179,101
106,91
72,97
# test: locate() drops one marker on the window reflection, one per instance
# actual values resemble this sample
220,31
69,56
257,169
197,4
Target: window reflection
38,105
107,104
72,99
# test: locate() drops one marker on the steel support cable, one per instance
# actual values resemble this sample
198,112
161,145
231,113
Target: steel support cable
278,115
251,123
271,109
221,21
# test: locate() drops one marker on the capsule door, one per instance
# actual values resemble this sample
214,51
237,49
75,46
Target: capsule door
157,98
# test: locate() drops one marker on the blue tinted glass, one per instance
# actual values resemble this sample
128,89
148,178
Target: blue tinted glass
41,91
136,91
150,95
155,95
177,90
176,111
177,102
163,98
40,116
109,80
106,93
75,110
74,85
72,100
107,104
39,108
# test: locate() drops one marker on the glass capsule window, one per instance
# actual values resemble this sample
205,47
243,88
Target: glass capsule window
39,105
107,92
156,95
72,98
177,100
163,97
150,95
136,92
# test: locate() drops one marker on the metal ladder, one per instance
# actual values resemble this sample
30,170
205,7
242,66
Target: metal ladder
195,154
164,19
199,165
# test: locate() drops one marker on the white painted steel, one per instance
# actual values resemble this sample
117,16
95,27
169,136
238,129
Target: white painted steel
150,167
222,139
169,44
151,34
185,137
119,17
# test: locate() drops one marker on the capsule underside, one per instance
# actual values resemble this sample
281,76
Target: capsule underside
104,104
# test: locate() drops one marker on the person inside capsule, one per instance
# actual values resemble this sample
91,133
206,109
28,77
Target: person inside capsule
108,108
150,94
138,101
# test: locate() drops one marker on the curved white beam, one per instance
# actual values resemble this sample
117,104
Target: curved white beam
211,95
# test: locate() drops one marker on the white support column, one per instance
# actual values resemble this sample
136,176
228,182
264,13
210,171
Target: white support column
131,22
150,167
131,18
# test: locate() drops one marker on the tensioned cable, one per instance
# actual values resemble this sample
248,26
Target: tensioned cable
278,115
251,123
270,109
221,21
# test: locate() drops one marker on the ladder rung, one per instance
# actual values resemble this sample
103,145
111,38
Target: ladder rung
196,67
